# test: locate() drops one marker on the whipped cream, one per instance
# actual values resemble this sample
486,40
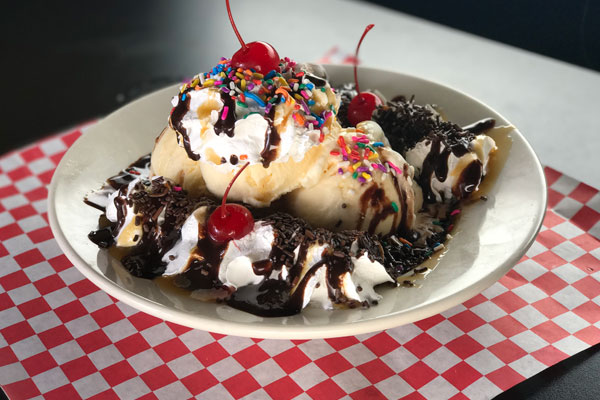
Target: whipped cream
351,181
315,288
236,268
262,131
480,149
178,257
360,283
251,133
129,233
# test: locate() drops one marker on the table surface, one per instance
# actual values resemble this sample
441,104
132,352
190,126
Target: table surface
551,102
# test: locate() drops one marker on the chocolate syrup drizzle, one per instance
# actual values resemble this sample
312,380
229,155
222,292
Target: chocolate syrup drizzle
272,140
469,180
226,125
203,271
480,126
435,164
176,122
274,296
403,227
406,124
124,177
277,297
149,199
374,198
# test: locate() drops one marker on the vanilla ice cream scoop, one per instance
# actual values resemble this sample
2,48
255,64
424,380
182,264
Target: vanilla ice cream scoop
366,186
277,123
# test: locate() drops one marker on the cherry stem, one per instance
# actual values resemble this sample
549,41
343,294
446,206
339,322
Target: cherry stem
367,29
224,201
234,27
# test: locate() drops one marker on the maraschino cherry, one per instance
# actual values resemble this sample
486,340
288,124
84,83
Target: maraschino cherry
259,56
230,221
362,105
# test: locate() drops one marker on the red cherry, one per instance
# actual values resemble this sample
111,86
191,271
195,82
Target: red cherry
362,105
230,221
259,56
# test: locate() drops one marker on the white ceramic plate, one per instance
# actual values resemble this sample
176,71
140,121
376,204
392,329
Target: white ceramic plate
489,240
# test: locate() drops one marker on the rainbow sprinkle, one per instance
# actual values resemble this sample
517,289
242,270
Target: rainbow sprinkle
224,113
360,157
398,170
289,87
404,241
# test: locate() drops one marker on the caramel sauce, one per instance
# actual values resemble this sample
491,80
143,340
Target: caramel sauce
167,284
502,137
130,235
463,162
212,157
118,252
417,275
206,108
275,297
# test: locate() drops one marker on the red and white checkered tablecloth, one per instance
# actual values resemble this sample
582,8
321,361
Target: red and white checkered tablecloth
63,338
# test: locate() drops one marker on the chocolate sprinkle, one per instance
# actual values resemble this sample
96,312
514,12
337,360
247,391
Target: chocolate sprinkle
161,208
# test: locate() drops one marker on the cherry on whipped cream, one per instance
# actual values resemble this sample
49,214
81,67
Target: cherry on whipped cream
230,221
259,56
362,105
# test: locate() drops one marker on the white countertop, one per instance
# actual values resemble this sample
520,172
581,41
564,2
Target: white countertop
552,103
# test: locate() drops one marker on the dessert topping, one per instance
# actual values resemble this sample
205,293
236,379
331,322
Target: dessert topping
239,93
230,221
360,157
260,56
362,106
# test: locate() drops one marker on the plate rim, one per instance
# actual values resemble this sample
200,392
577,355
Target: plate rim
269,331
